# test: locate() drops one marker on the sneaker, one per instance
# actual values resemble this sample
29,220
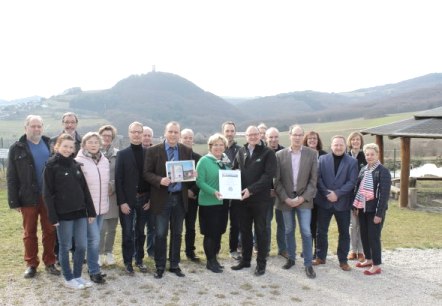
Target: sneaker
141,267
101,260
97,278
84,282
73,284
110,260
235,255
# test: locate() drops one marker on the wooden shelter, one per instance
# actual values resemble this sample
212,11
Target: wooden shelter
426,124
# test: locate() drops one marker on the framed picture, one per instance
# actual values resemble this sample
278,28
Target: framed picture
181,170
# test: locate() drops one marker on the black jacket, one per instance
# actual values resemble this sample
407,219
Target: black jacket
23,187
65,189
382,185
257,171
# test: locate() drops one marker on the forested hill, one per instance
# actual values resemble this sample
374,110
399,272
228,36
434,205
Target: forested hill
156,98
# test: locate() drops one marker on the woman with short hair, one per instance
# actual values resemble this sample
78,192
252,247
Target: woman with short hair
370,206
213,210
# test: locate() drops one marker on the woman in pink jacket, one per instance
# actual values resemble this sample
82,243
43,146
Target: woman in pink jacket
95,167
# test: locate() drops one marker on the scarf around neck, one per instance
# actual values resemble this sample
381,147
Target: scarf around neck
366,188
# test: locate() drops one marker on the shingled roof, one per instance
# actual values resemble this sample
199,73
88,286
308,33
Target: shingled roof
426,124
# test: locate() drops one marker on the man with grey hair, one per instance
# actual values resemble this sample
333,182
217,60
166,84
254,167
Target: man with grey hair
150,223
147,137
258,168
26,161
192,193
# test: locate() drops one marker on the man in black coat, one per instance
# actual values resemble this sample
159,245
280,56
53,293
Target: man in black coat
26,161
258,168
132,198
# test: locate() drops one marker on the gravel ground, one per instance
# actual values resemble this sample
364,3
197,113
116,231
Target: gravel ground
409,277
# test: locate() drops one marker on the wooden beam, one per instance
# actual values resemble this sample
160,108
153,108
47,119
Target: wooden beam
405,171
380,143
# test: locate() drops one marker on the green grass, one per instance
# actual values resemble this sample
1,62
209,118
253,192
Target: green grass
403,228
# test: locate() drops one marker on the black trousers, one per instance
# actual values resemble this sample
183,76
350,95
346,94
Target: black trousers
234,225
253,213
371,236
190,220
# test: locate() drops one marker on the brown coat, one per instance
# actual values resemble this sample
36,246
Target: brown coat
155,169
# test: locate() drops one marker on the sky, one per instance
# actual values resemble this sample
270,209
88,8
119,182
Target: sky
237,48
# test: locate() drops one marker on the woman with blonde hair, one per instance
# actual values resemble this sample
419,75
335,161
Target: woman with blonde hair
370,206
213,210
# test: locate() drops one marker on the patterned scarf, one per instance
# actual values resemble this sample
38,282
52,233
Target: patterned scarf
366,188
95,157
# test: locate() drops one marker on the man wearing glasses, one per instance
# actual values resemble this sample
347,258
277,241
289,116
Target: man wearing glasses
258,168
133,194
69,122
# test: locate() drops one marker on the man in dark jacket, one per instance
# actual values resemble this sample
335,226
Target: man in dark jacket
132,198
258,168
26,161
70,123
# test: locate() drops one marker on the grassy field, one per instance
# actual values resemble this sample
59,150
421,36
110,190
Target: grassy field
403,228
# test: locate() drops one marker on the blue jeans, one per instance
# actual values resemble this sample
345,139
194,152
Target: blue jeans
150,238
93,244
66,230
133,237
173,216
304,217
343,221
280,231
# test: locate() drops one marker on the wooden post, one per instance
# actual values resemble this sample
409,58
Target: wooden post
380,143
405,171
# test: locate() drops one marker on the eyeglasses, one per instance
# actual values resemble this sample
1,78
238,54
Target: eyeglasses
70,122
252,134
312,138
136,132
297,135
106,135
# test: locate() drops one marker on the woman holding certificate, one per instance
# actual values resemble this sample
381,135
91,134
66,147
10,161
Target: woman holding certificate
213,211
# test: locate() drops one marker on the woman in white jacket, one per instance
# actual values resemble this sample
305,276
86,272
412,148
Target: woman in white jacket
95,167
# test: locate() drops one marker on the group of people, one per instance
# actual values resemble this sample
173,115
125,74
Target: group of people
81,186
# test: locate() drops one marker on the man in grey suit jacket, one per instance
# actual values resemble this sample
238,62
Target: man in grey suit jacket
337,177
295,186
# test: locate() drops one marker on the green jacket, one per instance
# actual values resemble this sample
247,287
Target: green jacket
208,180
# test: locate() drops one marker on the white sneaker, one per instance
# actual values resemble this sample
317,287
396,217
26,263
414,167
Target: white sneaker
101,260
235,255
110,259
73,284
84,282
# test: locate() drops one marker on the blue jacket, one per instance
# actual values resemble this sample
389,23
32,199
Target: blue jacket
343,183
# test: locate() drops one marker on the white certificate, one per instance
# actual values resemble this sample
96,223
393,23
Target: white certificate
230,184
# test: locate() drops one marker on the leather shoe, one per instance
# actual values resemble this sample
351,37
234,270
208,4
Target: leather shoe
142,267
344,266
158,273
51,269
129,269
310,272
192,257
177,271
290,263
97,278
260,270
213,266
241,265
318,261
367,272
30,272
